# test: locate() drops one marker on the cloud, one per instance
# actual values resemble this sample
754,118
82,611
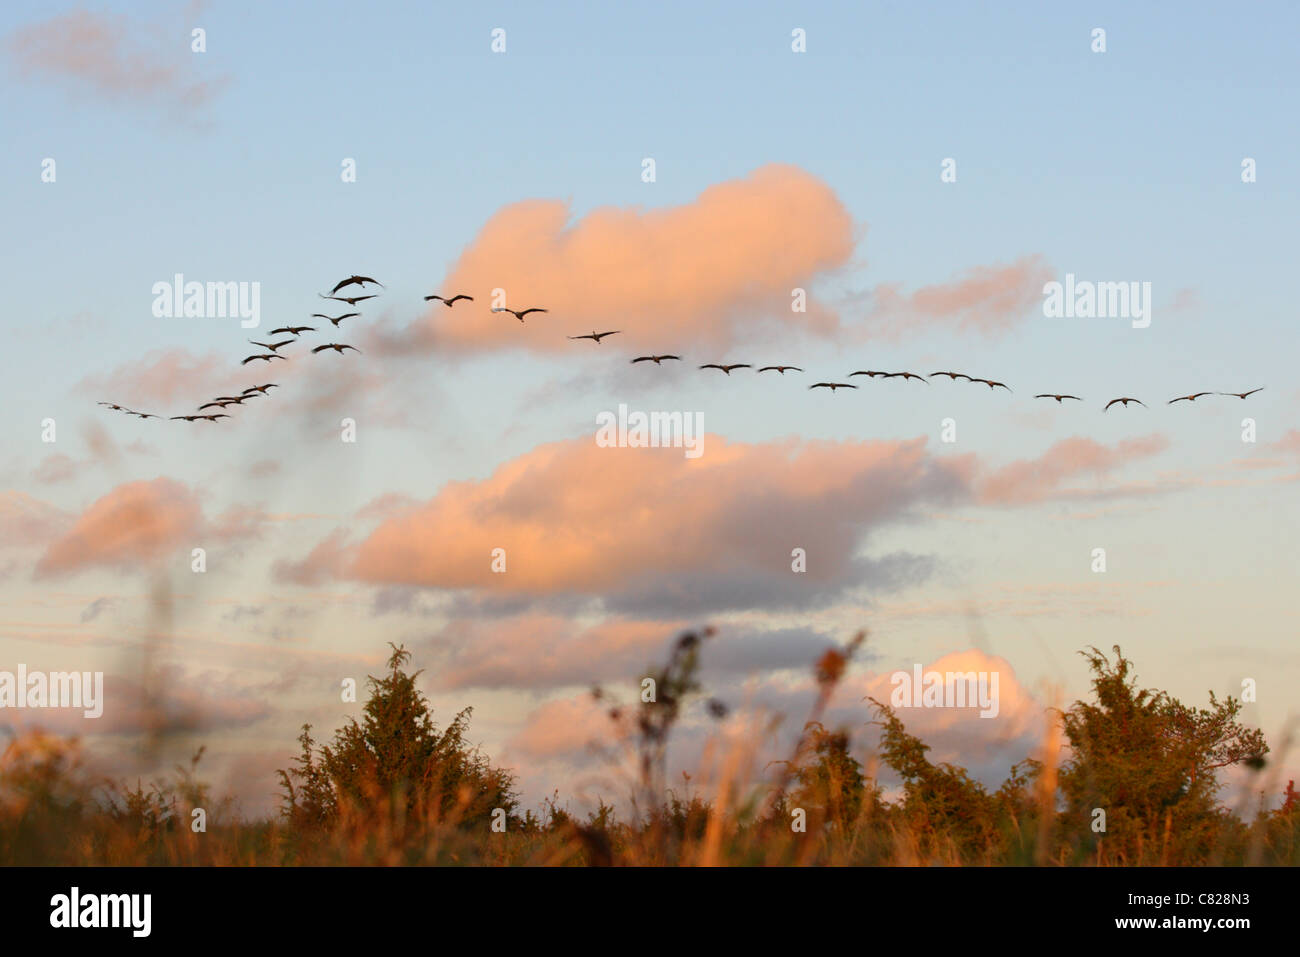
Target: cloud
1033,480
164,375
988,300
545,652
139,522
25,520
648,526
114,59
705,272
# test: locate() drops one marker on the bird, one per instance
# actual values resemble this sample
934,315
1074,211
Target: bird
214,405
355,281
871,372
187,418
1058,398
350,300
519,315
143,415
655,359
1242,395
954,376
597,336
906,376
337,347
727,369
273,346
449,302
334,319
260,388
213,418
237,399
293,330
265,358
832,385
1188,398
114,406
991,384
780,369
1126,400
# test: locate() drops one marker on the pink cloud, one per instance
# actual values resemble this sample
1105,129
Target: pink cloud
702,272
988,300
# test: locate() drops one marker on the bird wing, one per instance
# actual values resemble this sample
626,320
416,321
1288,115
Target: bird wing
321,348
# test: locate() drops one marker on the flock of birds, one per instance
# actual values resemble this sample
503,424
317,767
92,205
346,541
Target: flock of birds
272,354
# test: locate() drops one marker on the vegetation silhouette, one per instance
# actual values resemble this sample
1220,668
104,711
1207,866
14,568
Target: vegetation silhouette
393,788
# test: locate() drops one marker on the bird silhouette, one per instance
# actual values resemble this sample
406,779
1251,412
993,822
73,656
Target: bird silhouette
727,369
597,336
114,406
217,404
293,330
1125,400
273,346
261,389
1188,398
449,302
350,300
906,376
992,384
655,359
832,385
871,372
1242,395
143,415
1058,398
355,281
519,315
780,369
334,319
337,347
954,376
265,358
213,418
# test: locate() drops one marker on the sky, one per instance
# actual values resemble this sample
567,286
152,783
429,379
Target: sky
524,170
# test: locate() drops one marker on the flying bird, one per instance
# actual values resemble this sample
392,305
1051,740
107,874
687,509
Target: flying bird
906,376
114,406
832,385
1058,398
1188,398
519,315
337,347
355,281
293,330
655,359
780,369
260,388
350,300
871,372
214,405
449,302
597,336
727,369
992,384
954,376
273,346
143,415
1242,395
187,418
213,418
1126,400
334,319
265,358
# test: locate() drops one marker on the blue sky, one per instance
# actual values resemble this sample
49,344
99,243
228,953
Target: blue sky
1116,166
